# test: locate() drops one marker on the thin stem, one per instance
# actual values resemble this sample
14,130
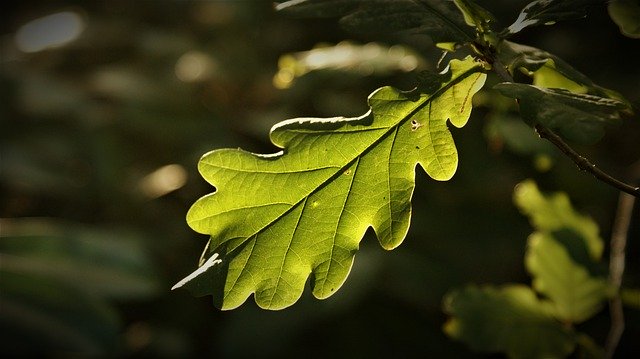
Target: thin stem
583,163
616,270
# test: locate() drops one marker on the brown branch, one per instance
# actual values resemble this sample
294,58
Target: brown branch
616,270
583,163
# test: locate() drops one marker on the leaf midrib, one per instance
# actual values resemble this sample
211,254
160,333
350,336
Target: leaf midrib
420,104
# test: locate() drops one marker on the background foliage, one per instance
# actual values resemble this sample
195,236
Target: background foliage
91,241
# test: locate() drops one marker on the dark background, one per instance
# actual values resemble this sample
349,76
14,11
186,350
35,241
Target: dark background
88,255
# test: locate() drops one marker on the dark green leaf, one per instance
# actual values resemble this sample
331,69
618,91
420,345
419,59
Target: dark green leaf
549,70
581,118
441,20
277,219
509,319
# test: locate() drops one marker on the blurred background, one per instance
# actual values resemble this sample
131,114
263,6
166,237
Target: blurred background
106,107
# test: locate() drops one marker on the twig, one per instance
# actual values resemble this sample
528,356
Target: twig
616,270
583,163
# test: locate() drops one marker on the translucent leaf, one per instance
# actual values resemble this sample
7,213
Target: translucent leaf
441,20
575,293
545,12
626,14
554,212
509,319
277,219
577,117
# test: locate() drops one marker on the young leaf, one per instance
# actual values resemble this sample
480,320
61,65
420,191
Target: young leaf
509,319
577,117
441,20
277,219
547,12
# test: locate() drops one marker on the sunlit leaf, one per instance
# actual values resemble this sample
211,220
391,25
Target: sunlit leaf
277,219
580,118
441,20
626,14
509,319
546,12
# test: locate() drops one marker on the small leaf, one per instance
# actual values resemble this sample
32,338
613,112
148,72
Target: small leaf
576,293
577,117
277,219
554,212
546,12
475,15
550,71
508,319
626,14
441,20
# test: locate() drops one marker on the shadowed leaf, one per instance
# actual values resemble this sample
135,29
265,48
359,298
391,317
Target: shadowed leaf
509,319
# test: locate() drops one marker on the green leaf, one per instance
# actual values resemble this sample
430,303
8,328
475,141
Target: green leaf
508,319
554,212
577,117
548,12
549,70
441,20
576,293
475,15
277,219
626,14
563,256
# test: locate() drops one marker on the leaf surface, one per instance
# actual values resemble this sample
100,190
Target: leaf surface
581,118
554,212
441,20
509,319
277,219
576,293
563,256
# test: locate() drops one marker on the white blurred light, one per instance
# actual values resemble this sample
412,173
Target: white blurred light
49,31
194,66
163,180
